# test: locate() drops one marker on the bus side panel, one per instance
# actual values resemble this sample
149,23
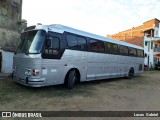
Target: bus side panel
52,72
75,59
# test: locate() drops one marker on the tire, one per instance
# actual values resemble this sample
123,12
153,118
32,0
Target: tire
130,73
72,78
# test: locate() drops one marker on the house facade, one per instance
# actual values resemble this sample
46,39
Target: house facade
147,36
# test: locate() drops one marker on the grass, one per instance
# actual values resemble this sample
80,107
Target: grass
11,91
123,83
151,71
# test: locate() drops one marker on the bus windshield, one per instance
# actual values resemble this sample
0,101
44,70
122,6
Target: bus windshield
31,42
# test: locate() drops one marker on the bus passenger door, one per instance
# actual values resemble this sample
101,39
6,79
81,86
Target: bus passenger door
51,58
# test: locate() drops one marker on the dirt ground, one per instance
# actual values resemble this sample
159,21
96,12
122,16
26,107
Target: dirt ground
142,93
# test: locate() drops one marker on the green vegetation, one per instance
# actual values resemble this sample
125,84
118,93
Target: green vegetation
12,92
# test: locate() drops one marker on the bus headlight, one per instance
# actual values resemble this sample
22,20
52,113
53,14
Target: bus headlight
35,72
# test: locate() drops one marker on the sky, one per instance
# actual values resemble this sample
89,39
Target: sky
100,17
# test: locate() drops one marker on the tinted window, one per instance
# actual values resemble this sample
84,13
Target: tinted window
54,48
135,52
108,47
132,52
54,42
72,40
96,45
114,48
123,50
140,53
82,44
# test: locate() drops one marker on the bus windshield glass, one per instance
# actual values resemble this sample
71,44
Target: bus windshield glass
31,42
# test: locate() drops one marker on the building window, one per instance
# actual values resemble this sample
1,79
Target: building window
146,43
151,45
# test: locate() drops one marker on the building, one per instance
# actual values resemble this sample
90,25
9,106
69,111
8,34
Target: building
11,24
147,36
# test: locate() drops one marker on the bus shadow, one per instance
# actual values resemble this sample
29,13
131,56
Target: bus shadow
110,80
80,85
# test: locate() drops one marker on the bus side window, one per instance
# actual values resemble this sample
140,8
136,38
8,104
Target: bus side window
123,50
108,47
72,41
140,53
96,46
82,43
114,48
53,49
133,52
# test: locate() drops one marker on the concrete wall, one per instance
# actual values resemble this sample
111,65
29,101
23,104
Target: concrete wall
8,37
10,22
10,14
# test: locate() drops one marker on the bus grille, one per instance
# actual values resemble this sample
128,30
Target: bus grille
21,64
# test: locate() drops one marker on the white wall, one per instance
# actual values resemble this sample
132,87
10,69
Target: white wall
7,61
149,52
156,32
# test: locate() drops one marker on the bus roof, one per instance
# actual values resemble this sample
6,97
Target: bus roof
61,29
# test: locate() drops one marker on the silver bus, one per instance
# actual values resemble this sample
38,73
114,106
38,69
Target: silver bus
56,54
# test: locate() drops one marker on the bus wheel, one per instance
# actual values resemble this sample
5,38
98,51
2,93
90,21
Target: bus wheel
72,78
130,73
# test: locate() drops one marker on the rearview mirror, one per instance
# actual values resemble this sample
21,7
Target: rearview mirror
48,43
